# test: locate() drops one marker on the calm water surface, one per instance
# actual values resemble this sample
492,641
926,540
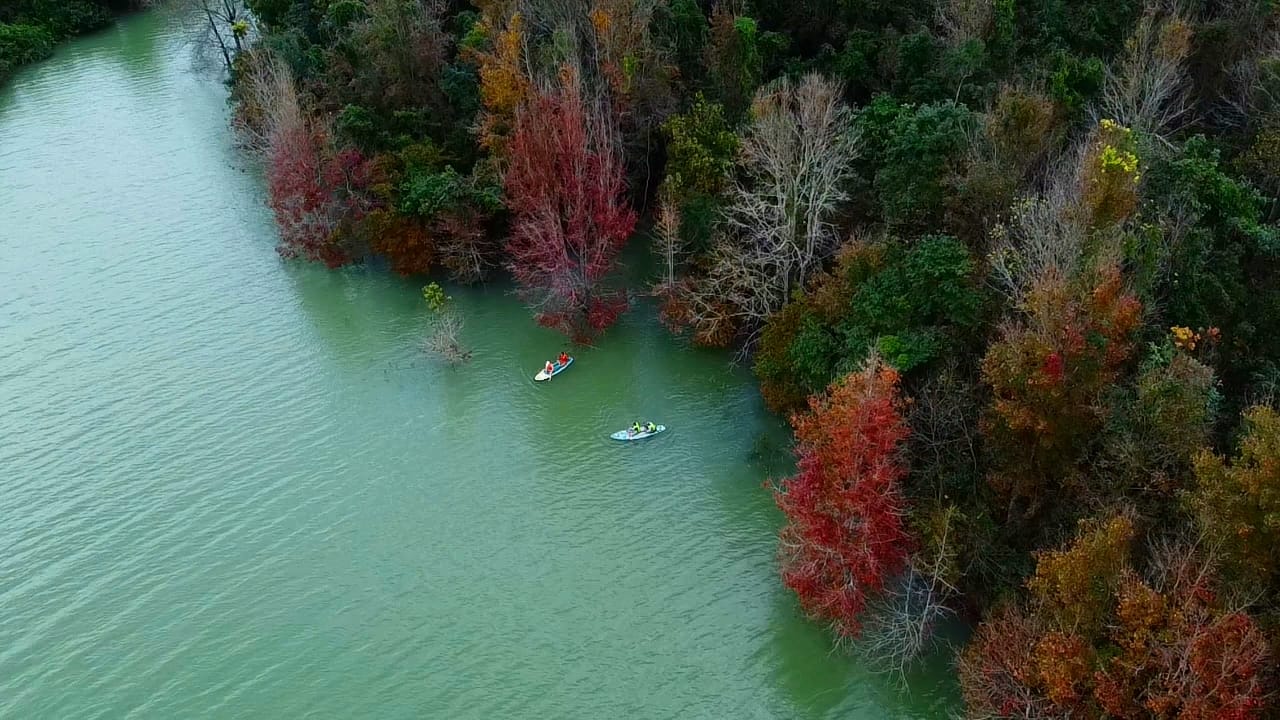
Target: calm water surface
233,487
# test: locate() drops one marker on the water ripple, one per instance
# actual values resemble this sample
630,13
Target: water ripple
232,487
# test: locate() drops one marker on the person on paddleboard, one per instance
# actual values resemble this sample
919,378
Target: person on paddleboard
650,427
549,369
564,358
635,428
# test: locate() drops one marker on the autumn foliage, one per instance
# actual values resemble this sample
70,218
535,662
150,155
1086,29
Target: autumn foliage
503,84
318,189
316,192
1057,222
1182,655
404,242
1099,640
1239,503
845,535
1048,373
565,186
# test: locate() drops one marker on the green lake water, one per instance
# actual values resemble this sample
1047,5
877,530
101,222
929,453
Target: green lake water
233,487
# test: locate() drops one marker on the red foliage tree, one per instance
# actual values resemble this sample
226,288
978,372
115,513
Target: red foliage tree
565,185
316,192
844,535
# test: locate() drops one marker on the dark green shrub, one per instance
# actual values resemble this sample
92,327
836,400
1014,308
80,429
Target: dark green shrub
906,301
23,44
924,148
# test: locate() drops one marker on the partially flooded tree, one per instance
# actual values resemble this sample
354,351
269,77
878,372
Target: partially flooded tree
566,188
218,28
845,537
903,622
446,326
667,243
316,189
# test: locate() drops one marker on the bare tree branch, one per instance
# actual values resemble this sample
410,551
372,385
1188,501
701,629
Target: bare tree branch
220,29
1044,234
781,224
904,622
961,21
270,108
443,341
1148,90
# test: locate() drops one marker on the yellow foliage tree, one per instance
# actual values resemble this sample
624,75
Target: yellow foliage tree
1239,504
503,81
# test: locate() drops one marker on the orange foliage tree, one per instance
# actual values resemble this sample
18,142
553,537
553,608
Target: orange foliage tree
503,81
998,669
1181,655
1048,373
1098,640
403,241
845,533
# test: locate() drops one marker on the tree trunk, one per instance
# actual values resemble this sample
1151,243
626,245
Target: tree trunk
222,45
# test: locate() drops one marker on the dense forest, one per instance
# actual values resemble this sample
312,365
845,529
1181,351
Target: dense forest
1008,266
29,29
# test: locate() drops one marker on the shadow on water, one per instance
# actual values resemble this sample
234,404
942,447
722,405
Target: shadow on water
134,43
846,686
356,312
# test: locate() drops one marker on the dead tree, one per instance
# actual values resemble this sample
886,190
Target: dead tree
217,27
795,159
961,21
904,621
1148,89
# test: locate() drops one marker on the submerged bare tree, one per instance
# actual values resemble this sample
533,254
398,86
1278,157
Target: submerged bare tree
781,225
903,623
443,341
446,327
